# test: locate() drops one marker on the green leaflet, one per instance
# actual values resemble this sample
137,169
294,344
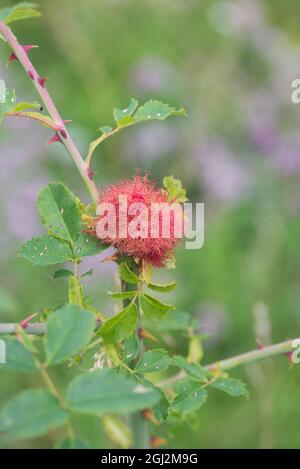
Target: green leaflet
131,347
153,308
233,387
174,189
153,361
105,391
162,288
18,358
193,370
20,11
123,295
68,330
86,245
190,397
46,250
59,211
161,408
31,413
127,275
120,115
120,326
62,273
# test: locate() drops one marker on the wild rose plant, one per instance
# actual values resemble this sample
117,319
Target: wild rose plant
136,387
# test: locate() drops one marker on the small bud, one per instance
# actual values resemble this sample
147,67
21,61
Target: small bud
259,344
63,133
42,81
290,357
24,323
13,56
156,441
55,138
143,334
90,174
148,415
112,258
31,75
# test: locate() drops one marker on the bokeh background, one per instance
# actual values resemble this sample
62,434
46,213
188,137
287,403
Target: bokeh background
230,63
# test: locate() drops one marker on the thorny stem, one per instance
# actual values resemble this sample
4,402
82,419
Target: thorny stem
243,359
35,328
49,104
223,365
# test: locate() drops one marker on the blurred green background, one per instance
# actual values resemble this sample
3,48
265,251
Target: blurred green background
231,65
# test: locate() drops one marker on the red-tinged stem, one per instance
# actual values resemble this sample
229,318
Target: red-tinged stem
34,328
50,106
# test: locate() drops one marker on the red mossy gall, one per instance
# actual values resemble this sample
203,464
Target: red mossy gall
143,190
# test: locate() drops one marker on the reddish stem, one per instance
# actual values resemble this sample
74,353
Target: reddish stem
23,58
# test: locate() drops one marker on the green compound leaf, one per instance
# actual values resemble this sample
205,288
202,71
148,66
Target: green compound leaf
153,308
127,275
20,11
59,211
154,361
73,443
233,387
190,397
31,413
105,391
134,114
46,250
68,330
18,358
162,288
120,326
151,110
174,189
193,370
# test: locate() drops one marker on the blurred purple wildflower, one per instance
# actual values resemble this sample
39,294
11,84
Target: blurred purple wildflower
214,321
151,75
223,175
152,141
